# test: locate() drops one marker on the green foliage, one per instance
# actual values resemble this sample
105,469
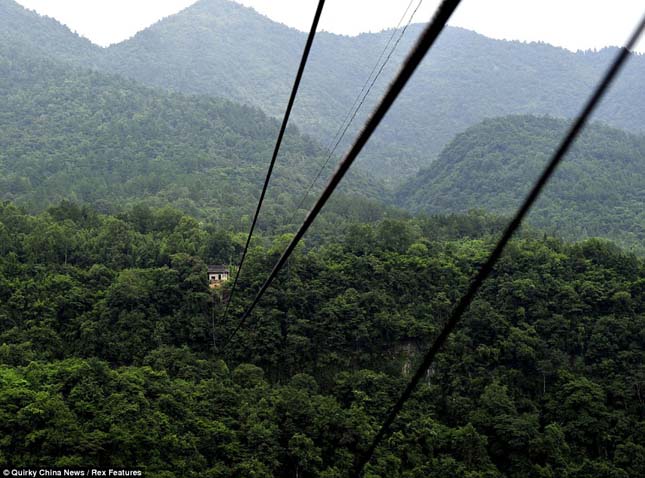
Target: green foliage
71,134
116,197
465,79
109,354
597,191
222,49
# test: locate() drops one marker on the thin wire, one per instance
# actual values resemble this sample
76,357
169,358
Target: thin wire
285,120
367,81
424,43
355,111
512,227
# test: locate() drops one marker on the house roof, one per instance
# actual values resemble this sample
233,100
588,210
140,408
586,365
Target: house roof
217,268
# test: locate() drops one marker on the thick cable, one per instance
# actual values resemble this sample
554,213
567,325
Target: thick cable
510,230
353,111
424,43
278,143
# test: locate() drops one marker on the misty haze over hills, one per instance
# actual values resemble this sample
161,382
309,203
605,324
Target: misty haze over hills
220,48
99,139
112,153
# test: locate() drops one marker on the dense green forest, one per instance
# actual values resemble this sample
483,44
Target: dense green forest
220,48
99,139
74,134
598,190
110,350
115,197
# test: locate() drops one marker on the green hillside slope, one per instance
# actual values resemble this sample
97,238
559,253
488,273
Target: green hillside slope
89,137
220,48
598,190
223,49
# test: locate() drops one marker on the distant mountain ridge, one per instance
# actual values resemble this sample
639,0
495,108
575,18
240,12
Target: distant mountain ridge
223,49
599,190
82,135
29,30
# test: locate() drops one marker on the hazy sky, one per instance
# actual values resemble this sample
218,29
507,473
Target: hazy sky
573,24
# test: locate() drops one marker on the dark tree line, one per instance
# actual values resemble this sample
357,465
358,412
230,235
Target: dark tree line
109,353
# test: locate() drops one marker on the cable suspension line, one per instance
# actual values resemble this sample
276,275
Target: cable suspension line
424,43
278,143
511,228
360,99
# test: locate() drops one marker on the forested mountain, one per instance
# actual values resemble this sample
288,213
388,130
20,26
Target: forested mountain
223,49
597,191
115,196
68,133
107,359
86,136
